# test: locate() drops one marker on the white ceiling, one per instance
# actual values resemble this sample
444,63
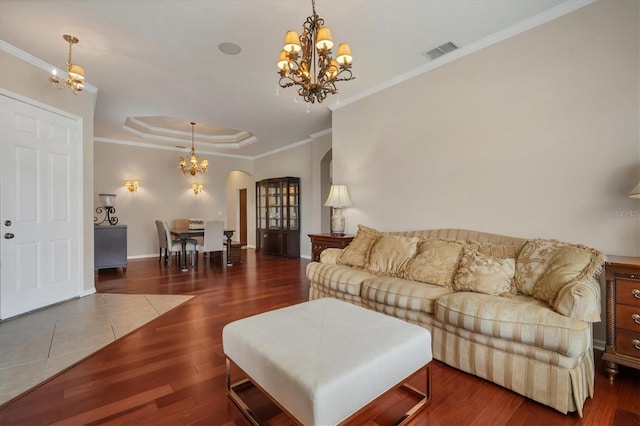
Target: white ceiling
161,58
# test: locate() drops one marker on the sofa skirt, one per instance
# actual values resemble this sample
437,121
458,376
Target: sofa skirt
564,389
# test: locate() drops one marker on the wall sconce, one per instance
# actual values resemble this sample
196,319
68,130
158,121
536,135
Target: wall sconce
197,188
132,185
338,199
635,192
108,202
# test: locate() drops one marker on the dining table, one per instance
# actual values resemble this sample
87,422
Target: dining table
186,234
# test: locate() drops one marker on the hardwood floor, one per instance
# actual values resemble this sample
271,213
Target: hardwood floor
171,371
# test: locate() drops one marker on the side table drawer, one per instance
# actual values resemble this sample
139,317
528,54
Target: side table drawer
628,292
628,317
628,343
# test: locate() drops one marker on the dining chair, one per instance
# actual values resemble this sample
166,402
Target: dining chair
184,224
162,241
213,238
175,246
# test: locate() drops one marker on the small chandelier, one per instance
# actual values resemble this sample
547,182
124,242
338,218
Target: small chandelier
307,61
193,167
75,73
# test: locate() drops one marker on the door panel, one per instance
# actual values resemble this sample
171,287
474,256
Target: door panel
41,196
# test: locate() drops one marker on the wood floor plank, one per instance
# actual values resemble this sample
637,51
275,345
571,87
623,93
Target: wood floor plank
171,370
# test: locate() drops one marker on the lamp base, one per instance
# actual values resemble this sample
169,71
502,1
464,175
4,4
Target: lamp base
337,222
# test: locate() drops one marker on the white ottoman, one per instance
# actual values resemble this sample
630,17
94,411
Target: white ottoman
322,361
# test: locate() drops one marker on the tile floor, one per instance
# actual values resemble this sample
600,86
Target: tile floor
36,346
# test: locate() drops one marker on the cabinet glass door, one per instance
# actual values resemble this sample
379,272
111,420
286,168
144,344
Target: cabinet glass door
262,206
294,206
274,200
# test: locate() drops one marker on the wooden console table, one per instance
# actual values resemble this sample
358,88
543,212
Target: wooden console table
319,242
623,314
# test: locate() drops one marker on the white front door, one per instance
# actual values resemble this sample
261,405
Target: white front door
40,205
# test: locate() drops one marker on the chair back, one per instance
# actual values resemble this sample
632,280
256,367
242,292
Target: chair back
213,235
162,235
167,233
181,224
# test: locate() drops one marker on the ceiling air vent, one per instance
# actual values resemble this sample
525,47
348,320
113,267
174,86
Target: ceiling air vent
440,50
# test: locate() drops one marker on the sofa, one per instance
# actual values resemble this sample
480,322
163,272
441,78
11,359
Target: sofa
517,312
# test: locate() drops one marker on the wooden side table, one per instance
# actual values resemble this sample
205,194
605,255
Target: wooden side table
622,275
320,242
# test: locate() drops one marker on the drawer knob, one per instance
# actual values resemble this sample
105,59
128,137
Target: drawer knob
636,318
636,344
636,293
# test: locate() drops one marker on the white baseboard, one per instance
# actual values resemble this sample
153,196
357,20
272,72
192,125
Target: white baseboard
598,344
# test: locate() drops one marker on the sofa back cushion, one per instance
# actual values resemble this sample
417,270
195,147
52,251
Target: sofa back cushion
484,274
544,267
356,254
389,254
435,262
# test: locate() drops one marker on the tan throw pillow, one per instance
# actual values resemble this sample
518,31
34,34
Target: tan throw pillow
356,254
550,264
569,264
435,262
484,274
390,253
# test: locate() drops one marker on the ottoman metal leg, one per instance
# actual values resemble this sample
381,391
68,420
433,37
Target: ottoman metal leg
253,418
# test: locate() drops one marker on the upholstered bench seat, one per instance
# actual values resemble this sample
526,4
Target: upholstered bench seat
322,361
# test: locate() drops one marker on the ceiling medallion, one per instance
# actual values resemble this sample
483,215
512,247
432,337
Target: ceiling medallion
307,60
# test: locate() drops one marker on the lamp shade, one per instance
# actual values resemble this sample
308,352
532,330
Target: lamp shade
324,39
292,42
107,200
338,197
344,54
635,192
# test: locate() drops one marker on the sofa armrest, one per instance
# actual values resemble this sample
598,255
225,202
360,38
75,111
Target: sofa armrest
330,255
579,300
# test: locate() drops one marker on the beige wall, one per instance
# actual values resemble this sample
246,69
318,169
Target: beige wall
31,82
237,180
164,193
536,136
302,161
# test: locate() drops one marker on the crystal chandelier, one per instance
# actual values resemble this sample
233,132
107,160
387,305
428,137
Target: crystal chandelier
192,167
307,60
75,73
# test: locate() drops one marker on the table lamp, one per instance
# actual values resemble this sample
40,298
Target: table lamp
338,199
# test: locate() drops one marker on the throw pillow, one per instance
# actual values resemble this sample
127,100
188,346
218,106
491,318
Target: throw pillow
435,262
484,274
551,264
569,264
496,250
390,253
356,254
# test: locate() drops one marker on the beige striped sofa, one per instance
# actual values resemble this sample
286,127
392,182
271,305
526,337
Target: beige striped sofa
513,311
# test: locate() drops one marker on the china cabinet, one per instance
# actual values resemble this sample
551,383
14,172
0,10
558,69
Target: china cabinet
278,216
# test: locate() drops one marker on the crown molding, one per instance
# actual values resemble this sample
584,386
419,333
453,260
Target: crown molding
39,63
527,24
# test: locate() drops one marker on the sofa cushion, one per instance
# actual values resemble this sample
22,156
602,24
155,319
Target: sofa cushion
389,254
340,278
356,254
400,293
484,274
521,318
543,267
435,262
